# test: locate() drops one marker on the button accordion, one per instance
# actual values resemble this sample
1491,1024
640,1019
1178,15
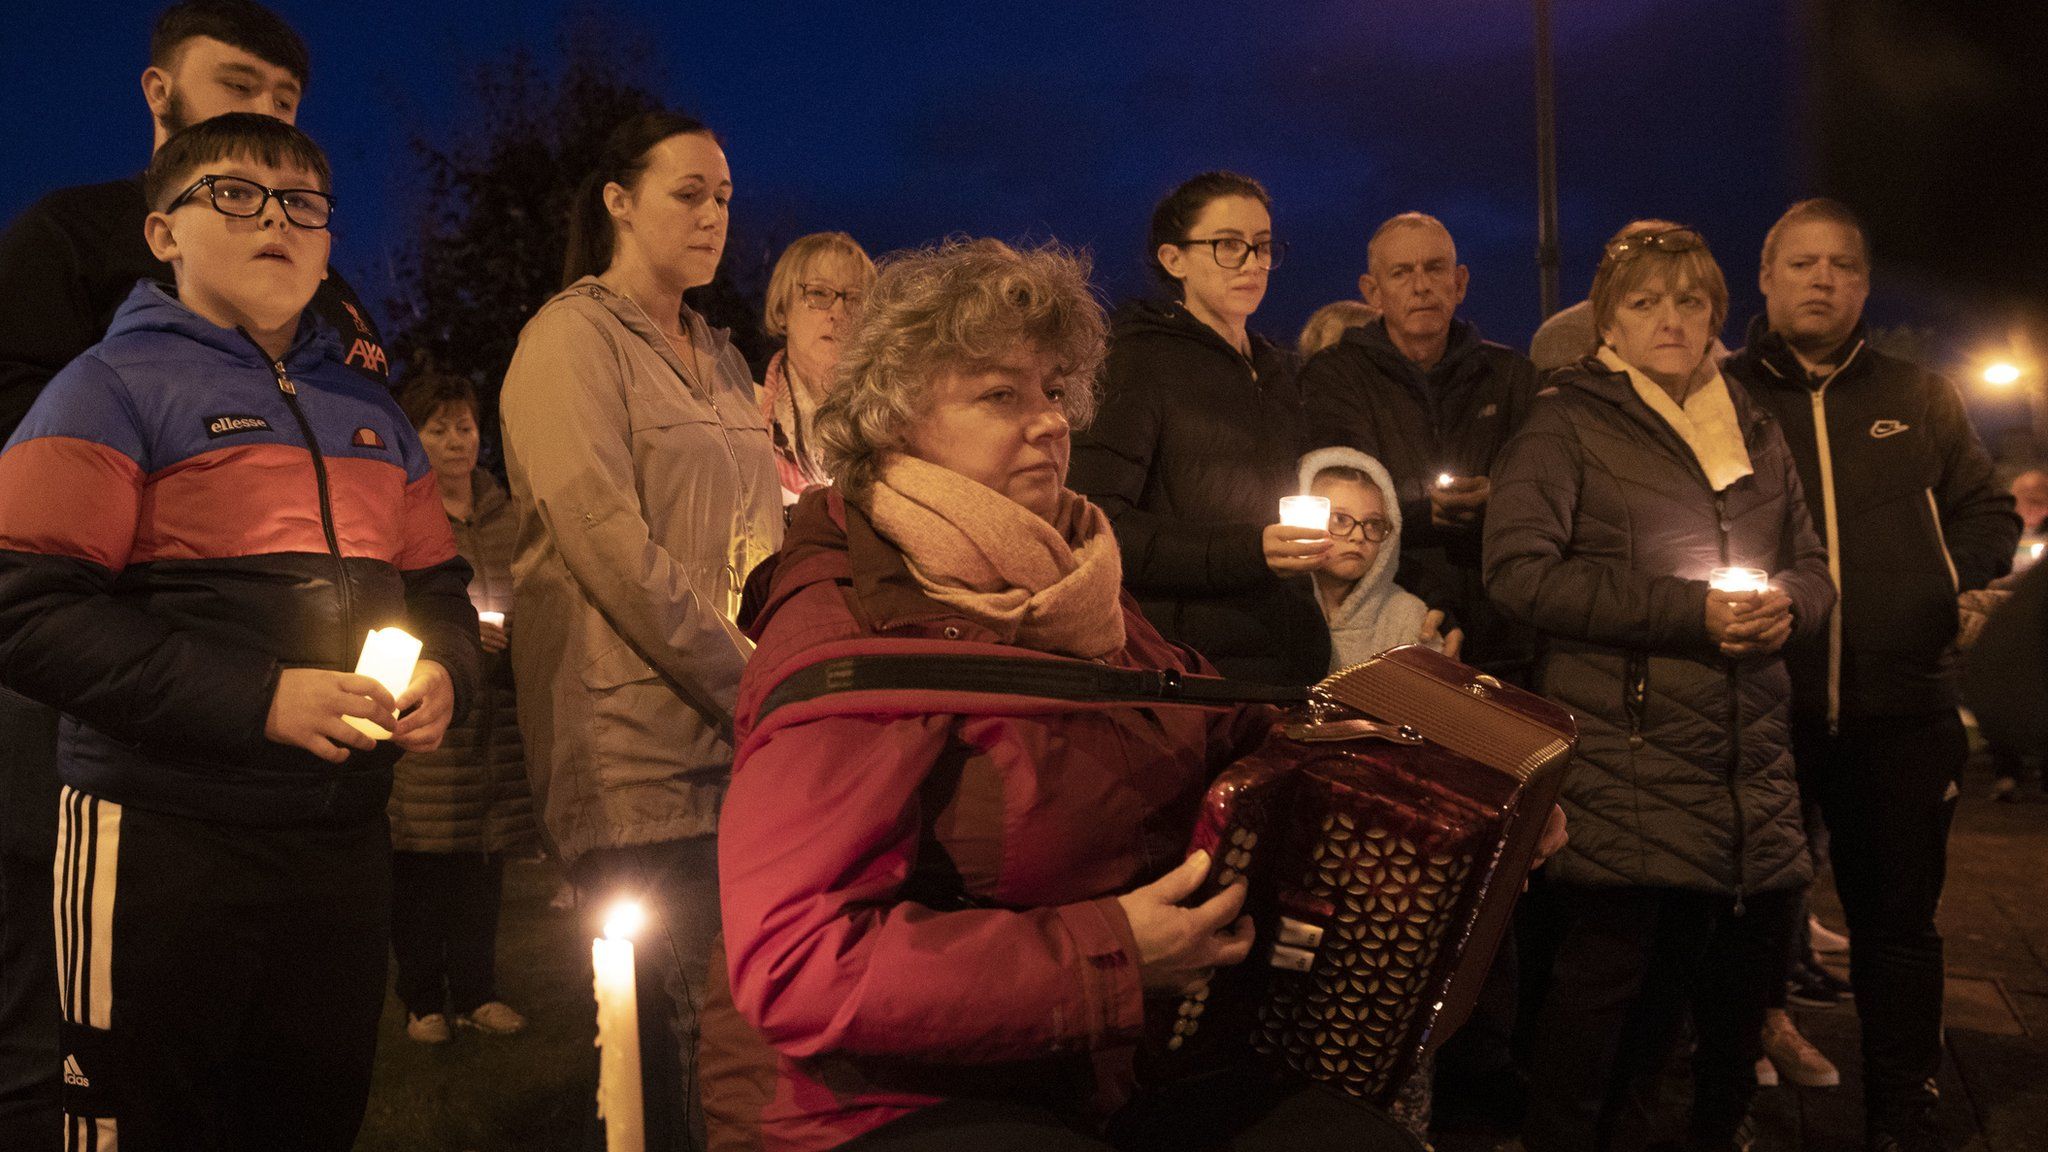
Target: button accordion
1385,831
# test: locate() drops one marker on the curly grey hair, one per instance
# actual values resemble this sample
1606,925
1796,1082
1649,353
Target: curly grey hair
959,304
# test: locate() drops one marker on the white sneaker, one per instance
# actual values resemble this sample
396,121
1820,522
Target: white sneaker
1795,1058
1824,939
494,1018
429,1029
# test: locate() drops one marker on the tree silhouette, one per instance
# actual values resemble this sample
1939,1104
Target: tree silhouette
493,225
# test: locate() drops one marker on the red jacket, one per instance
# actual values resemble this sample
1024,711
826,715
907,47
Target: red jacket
920,888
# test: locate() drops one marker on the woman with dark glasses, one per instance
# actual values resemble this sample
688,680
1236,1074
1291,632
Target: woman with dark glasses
1197,439
1648,520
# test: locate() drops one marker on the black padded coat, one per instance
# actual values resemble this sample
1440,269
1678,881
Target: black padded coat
1601,534
1189,455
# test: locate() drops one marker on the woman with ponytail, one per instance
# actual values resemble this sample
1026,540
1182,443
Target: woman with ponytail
646,489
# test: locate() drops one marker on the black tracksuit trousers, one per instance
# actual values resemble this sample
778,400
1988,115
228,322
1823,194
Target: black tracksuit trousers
1887,787
220,984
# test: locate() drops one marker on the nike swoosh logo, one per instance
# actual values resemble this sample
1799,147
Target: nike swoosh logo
1884,428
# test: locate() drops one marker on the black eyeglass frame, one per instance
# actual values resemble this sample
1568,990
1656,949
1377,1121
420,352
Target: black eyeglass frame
211,182
1276,251
854,300
1342,523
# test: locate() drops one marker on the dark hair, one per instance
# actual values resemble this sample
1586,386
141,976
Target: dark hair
246,25
624,158
430,391
1176,214
232,135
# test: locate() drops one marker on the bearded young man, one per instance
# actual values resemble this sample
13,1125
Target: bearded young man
66,265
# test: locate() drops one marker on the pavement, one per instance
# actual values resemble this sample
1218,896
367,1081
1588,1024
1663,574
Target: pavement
1994,918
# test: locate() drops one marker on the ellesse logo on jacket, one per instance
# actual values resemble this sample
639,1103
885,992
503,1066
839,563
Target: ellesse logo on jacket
231,424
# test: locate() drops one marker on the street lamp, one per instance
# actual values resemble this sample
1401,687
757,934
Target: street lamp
2002,374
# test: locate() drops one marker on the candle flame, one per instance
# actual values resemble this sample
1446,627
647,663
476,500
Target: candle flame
625,920
1443,479
2036,550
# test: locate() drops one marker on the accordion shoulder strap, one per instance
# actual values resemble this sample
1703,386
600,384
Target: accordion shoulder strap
1072,680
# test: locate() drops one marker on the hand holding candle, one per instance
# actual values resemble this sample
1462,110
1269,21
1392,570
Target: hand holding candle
1456,501
491,630
1301,539
619,1096
1745,616
389,656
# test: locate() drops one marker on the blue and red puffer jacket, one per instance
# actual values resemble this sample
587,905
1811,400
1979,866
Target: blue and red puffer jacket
180,519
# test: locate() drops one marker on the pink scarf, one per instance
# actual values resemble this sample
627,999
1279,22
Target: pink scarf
1053,587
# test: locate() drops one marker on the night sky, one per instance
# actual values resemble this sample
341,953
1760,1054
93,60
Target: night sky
901,123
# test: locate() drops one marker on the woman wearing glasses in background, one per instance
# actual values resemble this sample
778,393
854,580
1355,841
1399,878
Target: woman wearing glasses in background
1197,439
1639,472
814,298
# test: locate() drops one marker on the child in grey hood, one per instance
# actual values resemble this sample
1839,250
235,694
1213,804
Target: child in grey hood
1366,612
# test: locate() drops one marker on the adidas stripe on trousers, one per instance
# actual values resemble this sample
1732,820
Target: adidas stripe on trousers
220,984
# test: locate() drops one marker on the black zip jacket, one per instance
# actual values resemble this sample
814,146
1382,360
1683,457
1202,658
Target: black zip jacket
1909,507
1189,455
1363,393
68,263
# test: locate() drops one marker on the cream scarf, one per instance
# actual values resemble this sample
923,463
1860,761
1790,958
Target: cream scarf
1053,587
1706,421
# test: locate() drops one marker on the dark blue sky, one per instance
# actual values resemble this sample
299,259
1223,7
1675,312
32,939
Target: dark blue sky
904,122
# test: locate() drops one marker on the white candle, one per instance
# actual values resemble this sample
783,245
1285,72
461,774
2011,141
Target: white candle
1739,580
619,1101
497,618
1306,512
389,656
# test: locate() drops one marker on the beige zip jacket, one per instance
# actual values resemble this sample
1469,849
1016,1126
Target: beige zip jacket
645,494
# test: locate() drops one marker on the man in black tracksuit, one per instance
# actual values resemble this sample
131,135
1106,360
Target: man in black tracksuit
1419,390
1908,506
66,265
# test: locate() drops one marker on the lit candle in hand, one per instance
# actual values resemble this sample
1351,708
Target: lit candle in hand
1306,512
1739,580
619,1100
1445,479
389,656
497,618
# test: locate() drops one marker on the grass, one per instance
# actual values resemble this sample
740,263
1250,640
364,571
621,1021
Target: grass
526,1092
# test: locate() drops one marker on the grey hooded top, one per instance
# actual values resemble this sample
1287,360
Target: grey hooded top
1376,614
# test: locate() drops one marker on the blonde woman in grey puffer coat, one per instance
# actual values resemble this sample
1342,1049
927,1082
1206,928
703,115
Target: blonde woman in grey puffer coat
457,812
1638,473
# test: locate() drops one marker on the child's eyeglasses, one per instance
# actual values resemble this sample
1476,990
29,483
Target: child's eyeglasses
1373,528
244,199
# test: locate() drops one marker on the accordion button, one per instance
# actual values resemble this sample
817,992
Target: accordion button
1292,959
952,633
1299,934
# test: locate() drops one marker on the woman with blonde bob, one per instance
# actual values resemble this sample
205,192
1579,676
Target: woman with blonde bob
814,299
1639,473
944,908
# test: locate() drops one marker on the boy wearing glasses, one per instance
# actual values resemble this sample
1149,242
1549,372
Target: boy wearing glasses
1367,612
201,518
